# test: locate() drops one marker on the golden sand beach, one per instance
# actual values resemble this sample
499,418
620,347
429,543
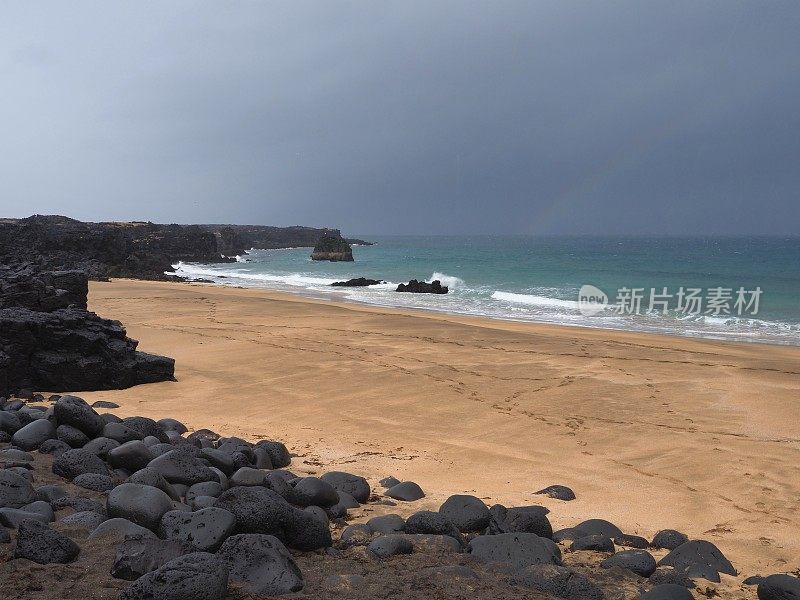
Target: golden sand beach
650,431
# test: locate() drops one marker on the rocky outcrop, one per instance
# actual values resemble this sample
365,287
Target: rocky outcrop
332,248
234,240
49,341
422,287
101,250
140,250
357,282
23,287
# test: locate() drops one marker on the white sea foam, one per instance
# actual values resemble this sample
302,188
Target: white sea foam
450,281
533,300
543,306
192,271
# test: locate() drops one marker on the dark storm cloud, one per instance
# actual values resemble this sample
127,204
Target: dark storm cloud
419,117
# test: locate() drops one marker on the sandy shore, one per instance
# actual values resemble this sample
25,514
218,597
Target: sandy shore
650,431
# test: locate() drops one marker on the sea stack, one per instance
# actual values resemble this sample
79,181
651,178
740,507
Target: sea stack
332,248
422,287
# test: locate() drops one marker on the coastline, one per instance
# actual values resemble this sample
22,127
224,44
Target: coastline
651,431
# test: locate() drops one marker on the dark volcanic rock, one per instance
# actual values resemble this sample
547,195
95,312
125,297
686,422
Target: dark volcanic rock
121,528
248,476
145,427
205,529
346,501
631,541
559,492
177,466
121,433
557,580
71,436
390,545
520,519
102,250
14,455
41,507
387,524
278,453
39,543
356,535
76,462
354,485
260,510
779,587
15,490
668,575
57,344
202,438
54,447
640,562
74,411
311,491
172,425
407,491
571,533
131,456
206,488
435,523
699,558
196,576
34,434
468,513
12,517
332,248
669,539
421,287
104,404
9,422
94,482
140,504
235,240
357,282
517,549
599,527
50,493
101,446
151,477
136,556
388,482
261,565
222,460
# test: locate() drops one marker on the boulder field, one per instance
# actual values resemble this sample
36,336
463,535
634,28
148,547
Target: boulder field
97,506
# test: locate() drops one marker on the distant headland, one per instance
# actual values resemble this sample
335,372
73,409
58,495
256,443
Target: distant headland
139,249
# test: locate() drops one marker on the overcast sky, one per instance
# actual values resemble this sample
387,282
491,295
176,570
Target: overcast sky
406,117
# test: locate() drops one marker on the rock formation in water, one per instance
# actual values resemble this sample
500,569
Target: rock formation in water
357,282
332,248
422,287
235,240
49,341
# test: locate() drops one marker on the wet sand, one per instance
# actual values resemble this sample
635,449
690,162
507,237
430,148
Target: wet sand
650,431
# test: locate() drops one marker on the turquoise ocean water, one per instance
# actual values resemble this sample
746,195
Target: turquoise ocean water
538,279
